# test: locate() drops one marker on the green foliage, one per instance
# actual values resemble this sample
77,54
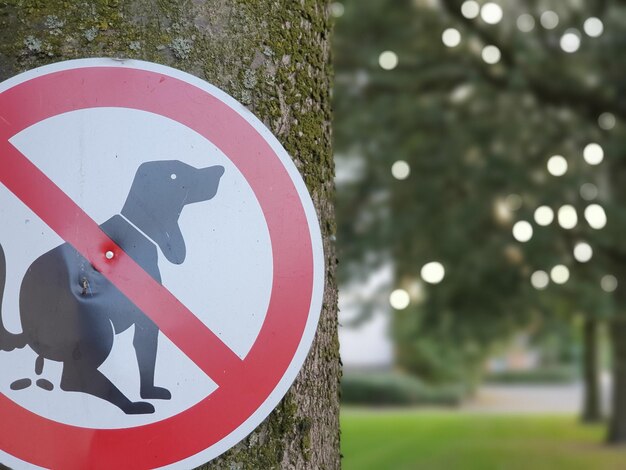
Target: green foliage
393,389
473,134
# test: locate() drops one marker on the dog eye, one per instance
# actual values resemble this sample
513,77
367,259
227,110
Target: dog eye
173,176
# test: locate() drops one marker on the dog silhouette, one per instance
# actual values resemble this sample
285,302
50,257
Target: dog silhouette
70,312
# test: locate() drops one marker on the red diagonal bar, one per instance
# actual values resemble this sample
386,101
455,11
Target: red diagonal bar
72,224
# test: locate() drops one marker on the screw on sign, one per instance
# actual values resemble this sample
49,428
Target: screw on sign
161,268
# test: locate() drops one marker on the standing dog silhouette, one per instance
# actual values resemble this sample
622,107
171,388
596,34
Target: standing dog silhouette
70,312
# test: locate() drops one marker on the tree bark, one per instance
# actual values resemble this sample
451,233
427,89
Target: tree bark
272,57
592,405
617,427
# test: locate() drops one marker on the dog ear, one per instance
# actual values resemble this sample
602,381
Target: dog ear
172,244
202,186
158,195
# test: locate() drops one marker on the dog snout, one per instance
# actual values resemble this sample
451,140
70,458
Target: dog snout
206,183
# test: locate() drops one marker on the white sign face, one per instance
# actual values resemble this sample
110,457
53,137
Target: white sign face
164,268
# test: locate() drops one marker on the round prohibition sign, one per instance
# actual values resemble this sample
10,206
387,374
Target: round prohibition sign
248,388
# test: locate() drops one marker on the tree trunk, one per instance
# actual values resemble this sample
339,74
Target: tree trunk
272,57
592,405
617,427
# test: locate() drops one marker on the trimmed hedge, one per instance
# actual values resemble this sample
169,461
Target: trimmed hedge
394,389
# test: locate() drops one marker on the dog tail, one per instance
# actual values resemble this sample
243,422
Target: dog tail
8,341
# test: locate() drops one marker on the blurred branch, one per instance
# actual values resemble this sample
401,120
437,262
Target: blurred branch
434,80
553,90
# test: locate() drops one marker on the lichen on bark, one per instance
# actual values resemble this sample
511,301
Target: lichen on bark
272,56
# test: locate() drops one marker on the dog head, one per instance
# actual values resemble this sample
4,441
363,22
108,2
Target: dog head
159,192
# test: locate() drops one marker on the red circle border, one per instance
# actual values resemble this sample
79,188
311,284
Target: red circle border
55,445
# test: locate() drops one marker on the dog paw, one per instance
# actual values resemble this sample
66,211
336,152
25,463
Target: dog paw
156,393
138,408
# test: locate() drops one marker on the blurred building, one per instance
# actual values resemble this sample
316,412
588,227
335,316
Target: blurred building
365,340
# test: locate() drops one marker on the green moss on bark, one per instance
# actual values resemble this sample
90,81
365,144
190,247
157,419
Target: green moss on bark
272,56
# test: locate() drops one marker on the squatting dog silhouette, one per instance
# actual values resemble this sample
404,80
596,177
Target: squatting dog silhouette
70,312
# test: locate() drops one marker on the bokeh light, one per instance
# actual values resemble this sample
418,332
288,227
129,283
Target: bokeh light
399,299
470,9
522,231
570,41
525,23
595,216
567,217
400,170
549,19
608,283
557,165
337,9
544,215
593,27
583,252
593,154
539,280
491,54
491,13
388,60
559,274
433,272
588,191
451,37
606,121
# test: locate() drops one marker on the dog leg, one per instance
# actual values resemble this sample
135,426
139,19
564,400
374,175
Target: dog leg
81,377
146,343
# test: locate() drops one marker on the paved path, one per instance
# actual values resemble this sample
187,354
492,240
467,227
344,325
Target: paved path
531,399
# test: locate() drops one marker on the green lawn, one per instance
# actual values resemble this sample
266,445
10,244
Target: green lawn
448,440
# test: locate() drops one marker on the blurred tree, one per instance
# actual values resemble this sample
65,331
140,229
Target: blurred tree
443,210
574,74
456,107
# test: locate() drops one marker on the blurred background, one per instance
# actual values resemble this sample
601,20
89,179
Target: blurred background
481,206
